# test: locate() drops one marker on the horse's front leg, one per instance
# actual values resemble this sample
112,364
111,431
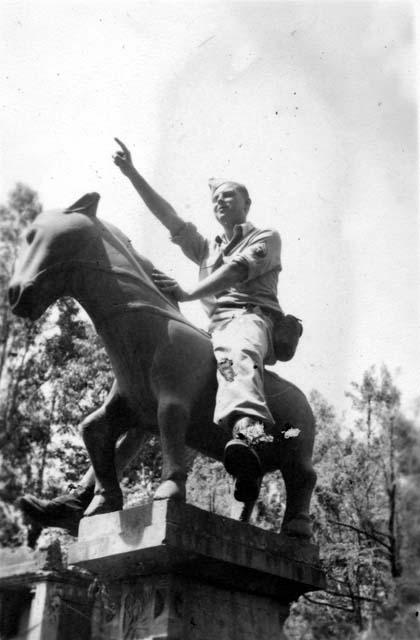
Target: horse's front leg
101,431
173,420
183,365
126,449
100,435
66,510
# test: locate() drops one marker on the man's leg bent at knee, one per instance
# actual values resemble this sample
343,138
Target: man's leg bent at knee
241,347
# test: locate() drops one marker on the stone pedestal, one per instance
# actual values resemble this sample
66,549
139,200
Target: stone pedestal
40,599
170,570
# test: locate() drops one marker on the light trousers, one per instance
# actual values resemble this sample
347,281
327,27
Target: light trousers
242,344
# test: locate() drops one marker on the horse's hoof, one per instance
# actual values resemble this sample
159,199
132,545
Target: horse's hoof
170,489
242,462
104,503
298,528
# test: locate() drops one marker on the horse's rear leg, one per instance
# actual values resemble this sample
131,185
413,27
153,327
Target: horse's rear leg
299,478
242,510
173,418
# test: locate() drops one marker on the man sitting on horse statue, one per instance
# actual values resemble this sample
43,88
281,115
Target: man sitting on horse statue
238,286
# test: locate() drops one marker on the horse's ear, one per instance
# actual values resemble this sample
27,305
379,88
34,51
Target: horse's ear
87,204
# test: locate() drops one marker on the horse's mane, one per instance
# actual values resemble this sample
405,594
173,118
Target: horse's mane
146,265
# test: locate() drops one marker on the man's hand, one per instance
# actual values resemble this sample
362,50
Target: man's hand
229,275
163,211
169,286
123,158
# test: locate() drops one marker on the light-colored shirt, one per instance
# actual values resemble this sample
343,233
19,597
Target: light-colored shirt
257,249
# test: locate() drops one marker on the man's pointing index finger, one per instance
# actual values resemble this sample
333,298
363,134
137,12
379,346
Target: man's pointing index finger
122,145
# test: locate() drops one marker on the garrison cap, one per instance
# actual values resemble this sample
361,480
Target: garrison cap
215,183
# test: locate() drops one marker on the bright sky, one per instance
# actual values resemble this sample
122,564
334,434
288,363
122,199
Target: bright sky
313,105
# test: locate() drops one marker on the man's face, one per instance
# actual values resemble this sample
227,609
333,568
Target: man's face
230,205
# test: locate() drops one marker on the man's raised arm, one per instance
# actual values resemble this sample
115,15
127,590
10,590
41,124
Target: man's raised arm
163,211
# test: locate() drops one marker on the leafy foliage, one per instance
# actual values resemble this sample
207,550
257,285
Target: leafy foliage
363,508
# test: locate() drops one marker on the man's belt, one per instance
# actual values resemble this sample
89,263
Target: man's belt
248,306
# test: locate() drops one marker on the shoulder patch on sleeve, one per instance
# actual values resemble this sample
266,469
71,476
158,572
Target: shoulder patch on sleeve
260,250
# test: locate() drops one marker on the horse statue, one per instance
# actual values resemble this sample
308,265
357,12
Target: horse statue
165,370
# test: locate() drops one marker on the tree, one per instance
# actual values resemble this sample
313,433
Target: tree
362,499
378,401
15,335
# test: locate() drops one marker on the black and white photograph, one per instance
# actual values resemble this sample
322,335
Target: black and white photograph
209,320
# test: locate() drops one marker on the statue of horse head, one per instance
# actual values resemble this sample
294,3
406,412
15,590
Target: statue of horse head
72,252
40,275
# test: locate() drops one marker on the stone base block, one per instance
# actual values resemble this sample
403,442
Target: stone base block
170,570
181,608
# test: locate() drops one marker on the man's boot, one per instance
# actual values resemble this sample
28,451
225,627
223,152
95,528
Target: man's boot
242,461
64,512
